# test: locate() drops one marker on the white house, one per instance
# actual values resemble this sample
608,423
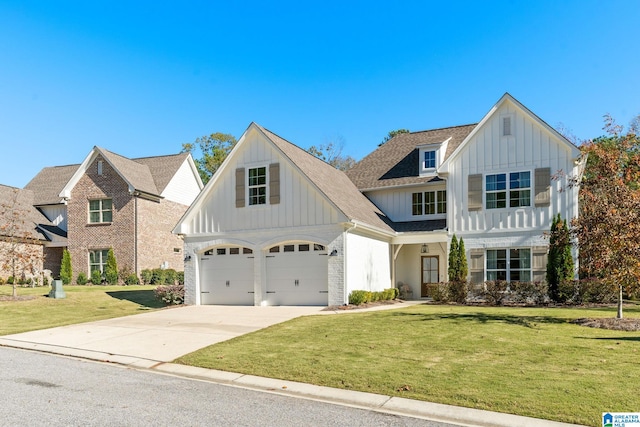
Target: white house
277,226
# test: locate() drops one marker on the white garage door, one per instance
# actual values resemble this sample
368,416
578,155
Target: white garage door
297,275
226,276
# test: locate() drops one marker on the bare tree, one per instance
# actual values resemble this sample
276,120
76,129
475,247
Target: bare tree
20,248
331,152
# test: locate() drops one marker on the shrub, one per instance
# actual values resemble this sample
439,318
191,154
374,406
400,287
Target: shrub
10,280
457,291
170,276
439,293
111,268
495,291
1,281
131,279
45,281
358,297
170,295
396,293
146,276
529,292
180,277
66,273
96,277
81,279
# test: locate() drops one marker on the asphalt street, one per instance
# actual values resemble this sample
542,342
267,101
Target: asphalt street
44,390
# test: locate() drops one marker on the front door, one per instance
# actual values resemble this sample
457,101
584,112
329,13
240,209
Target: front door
429,275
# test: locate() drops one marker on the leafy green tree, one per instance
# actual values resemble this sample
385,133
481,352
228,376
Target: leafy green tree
454,260
66,273
209,152
560,260
608,227
111,268
393,133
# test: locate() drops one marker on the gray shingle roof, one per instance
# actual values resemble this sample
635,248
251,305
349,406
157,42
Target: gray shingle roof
18,216
148,174
163,168
335,185
48,183
396,161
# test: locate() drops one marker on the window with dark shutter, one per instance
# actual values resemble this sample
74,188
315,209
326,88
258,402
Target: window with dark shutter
543,187
240,188
474,196
274,183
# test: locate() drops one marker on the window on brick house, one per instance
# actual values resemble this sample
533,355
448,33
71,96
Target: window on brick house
98,260
100,211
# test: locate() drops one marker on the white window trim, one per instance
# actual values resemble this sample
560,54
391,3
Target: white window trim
423,202
439,148
508,261
248,187
101,211
507,190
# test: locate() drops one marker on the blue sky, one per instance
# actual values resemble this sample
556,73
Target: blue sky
141,78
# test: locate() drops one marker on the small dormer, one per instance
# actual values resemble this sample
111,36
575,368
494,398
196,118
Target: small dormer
431,156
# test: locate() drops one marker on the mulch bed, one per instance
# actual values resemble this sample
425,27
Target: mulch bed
632,324
610,323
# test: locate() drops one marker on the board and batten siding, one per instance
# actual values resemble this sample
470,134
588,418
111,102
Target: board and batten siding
300,203
530,147
57,214
183,187
397,203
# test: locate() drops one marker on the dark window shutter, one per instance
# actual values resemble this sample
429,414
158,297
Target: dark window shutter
240,196
274,183
539,263
543,187
476,266
474,197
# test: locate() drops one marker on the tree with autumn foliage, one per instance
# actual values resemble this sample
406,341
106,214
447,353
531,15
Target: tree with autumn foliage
608,227
20,249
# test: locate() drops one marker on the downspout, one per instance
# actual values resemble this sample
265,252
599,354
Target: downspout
135,234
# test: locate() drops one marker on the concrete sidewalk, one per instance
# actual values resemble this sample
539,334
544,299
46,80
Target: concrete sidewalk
152,340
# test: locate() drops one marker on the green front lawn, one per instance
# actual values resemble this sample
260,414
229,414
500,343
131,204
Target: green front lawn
82,304
525,361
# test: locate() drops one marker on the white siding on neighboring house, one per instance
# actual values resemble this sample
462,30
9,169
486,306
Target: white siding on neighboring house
530,147
367,264
183,187
57,214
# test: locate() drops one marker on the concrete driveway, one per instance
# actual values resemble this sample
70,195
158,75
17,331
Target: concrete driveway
145,340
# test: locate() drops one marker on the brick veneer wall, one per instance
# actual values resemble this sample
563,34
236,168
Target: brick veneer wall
53,260
156,243
119,234
29,259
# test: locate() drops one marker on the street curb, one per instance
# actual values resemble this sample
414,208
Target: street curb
396,405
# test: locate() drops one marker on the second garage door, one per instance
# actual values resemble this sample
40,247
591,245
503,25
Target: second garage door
226,276
297,275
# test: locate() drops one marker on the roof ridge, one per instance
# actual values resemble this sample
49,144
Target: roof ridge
443,128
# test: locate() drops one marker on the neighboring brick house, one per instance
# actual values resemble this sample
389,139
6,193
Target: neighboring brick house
110,201
21,236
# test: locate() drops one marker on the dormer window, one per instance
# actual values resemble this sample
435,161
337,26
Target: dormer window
431,155
429,159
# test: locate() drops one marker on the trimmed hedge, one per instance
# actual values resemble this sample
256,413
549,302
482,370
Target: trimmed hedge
359,297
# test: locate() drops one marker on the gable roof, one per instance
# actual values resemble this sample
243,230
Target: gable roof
29,218
333,183
396,162
149,175
507,98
